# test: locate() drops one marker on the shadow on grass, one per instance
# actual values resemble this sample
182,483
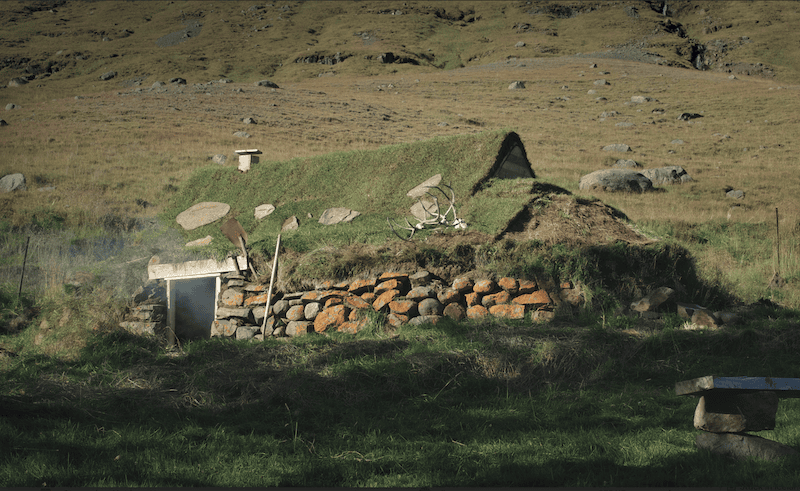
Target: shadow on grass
452,404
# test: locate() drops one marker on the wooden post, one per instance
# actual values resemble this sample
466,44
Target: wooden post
171,313
24,261
271,280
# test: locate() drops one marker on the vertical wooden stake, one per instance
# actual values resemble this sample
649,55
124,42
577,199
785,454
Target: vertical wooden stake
24,261
271,280
778,239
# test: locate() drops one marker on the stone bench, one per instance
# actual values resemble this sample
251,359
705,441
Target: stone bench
731,406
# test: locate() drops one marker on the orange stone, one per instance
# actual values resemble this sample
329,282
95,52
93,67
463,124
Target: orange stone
325,285
256,299
368,297
333,301
527,286
331,317
231,298
361,286
508,311
296,313
381,304
537,298
477,311
511,285
473,299
566,285
352,327
449,296
393,276
404,307
484,286
320,295
387,285
342,285
498,298
396,320
355,302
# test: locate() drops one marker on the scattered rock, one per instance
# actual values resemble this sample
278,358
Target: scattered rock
200,242
661,176
734,193
108,75
627,164
11,106
640,99
178,81
17,82
617,147
3,122
332,216
689,116
424,187
202,214
262,211
735,413
266,83
219,159
12,182
249,121
616,180
602,81
653,300
242,134
520,44
290,223
516,85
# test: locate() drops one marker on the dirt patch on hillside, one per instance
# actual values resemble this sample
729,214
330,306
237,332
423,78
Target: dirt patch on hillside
564,219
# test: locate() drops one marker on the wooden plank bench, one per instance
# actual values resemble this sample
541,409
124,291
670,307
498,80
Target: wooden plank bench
731,406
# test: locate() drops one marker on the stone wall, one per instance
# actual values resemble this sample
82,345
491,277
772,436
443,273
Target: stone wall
345,306
403,298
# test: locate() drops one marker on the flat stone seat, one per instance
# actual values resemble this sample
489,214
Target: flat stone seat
783,387
247,158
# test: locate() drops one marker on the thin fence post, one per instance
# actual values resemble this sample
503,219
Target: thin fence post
271,281
24,262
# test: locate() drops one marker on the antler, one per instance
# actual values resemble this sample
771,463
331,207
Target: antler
409,228
436,218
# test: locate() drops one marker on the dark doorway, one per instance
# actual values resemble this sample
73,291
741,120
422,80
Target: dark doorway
194,308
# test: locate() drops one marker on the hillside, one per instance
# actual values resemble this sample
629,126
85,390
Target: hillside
65,46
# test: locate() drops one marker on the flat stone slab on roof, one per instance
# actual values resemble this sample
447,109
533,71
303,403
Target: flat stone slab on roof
783,387
253,151
202,214
195,269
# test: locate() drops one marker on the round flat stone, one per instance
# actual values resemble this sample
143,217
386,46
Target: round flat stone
202,214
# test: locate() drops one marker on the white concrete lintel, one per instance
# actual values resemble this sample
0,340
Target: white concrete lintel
196,269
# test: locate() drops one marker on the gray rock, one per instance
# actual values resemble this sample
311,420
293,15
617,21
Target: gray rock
225,327
291,223
705,317
734,413
640,99
420,278
202,214
455,311
332,216
516,85
420,292
200,242
3,122
108,75
617,147
12,182
735,194
242,134
17,82
219,159
616,180
425,187
624,124
266,83
608,114
231,296
743,446
244,333
520,44
430,306
11,106
280,307
689,116
262,211
157,84
178,80
602,81
424,319
299,328
249,121
311,310
662,176
677,141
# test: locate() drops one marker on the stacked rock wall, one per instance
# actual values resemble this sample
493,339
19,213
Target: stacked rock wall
402,298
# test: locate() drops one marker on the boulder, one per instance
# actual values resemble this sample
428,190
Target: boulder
11,106
17,81
430,307
616,180
735,413
617,147
743,446
290,223
12,182
108,75
332,216
516,85
262,211
424,187
673,174
298,328
626,164
202,214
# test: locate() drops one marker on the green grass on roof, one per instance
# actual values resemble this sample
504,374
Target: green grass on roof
372,182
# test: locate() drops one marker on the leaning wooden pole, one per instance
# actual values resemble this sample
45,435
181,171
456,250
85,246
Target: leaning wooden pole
271,281
24,261
778,241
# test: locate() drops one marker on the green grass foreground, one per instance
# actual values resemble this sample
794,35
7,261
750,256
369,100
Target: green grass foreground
486,404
